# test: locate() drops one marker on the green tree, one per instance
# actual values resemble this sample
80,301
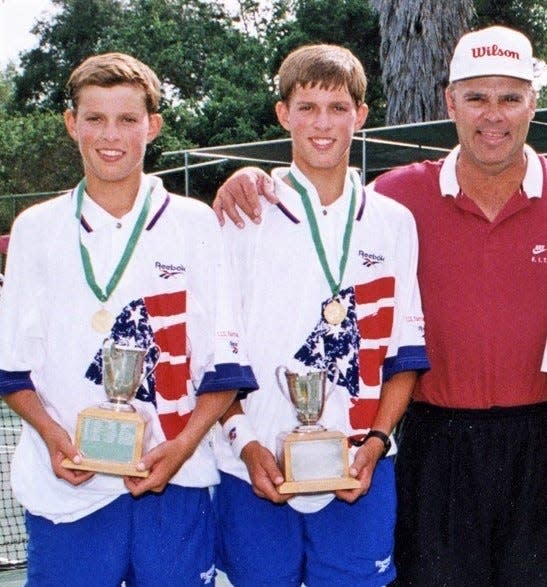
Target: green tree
351,23
209,67
528,16
177,38
35,156
214,90
36,150
219,70
6,87
75,32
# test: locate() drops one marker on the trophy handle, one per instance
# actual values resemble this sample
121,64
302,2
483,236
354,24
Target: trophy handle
145,375
334,382
108,346
281,370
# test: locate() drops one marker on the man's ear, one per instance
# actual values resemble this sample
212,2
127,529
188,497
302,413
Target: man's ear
450,106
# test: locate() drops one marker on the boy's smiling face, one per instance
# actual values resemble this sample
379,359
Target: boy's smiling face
322,123
112,128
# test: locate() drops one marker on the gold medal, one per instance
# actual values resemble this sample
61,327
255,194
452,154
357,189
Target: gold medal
102,321
334,312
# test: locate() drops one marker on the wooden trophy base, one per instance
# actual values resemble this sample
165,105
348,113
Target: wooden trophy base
110,442
315,462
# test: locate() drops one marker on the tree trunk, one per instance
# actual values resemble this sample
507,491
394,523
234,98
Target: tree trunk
418,38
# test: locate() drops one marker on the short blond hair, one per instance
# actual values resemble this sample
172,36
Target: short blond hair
110,69
328,66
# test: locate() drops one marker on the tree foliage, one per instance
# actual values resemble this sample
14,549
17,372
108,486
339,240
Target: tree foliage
75,32
528,16
351,23
35,147
218,69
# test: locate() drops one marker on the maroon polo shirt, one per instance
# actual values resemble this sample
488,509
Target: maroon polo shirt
483,285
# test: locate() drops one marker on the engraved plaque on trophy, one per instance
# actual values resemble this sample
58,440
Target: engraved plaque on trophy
110,436
313,459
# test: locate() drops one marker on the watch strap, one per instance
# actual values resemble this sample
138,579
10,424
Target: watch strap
382,436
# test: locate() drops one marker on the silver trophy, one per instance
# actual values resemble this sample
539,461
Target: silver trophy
110,436
123,373
313,458
307,393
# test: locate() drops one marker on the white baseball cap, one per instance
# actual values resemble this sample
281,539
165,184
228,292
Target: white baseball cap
495,50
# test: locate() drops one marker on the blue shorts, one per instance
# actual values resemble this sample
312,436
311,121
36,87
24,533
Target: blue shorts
158,540
262,543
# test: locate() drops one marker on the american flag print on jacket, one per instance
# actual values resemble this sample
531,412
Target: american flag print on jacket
157,320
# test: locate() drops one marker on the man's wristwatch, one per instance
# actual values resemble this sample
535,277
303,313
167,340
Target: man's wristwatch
383,437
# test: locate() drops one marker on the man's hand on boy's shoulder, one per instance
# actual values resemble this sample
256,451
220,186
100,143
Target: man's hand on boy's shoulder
241,192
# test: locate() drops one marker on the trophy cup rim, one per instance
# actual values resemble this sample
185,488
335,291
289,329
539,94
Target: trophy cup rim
129,347
309,372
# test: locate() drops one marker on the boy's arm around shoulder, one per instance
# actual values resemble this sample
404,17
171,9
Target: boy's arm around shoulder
241,192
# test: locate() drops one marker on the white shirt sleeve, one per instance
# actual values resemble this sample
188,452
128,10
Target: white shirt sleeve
22,331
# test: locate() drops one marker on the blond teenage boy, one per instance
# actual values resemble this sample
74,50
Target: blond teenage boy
326,244
117,257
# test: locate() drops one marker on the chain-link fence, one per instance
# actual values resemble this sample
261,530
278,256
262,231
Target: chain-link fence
13,537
